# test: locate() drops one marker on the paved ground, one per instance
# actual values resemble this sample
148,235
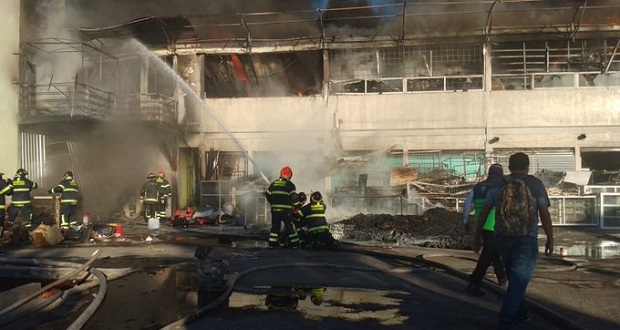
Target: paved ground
367,286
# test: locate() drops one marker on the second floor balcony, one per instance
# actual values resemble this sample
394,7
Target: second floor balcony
63,102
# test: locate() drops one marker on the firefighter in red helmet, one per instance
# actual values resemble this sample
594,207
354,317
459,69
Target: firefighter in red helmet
279,195
149,196
164,194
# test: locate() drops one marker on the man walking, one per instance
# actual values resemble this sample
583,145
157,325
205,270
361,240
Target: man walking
489,255
519,204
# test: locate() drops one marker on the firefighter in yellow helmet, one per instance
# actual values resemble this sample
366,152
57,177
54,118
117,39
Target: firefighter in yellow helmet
20,189
3,184
318,235
68,189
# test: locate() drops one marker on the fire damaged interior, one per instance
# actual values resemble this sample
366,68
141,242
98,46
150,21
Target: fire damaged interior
399,101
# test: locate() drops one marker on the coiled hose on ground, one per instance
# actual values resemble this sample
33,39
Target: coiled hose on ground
94,305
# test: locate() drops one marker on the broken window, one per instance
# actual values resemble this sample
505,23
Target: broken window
256,75
426,68
225,165
544,64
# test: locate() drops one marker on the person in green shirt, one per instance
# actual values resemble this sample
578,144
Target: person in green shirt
489,255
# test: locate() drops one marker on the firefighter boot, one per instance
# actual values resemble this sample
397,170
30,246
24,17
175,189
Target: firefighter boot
293,241
274,241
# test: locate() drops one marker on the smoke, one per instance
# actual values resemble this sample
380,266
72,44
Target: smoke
47,21
111,164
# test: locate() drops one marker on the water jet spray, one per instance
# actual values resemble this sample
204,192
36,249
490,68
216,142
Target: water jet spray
187,89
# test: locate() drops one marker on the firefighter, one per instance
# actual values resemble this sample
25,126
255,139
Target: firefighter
3,185
313,215
299,200
164,193
149,196
68,189
20,188
279,197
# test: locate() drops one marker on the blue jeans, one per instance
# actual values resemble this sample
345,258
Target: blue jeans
519,255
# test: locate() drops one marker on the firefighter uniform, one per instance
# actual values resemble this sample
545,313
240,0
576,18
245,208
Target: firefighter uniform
164,194
279,195
313,214
3,185
68,189
20,189
299,200
149,195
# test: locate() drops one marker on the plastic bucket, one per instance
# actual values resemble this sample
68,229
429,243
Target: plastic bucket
153,224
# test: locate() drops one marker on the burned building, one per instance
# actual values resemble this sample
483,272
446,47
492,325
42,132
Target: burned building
360,98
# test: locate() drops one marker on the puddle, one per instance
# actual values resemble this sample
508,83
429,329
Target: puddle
245,244
147,300
349,304
150,300
591,250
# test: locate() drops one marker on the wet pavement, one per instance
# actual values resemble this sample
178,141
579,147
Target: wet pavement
366,286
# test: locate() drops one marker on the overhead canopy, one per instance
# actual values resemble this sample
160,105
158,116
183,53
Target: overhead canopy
349,22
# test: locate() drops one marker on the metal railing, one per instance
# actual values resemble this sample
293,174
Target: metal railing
407,85
476,83
555,80
151,107
64,99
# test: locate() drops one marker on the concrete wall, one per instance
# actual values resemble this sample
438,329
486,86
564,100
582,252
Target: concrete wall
9,46
551,118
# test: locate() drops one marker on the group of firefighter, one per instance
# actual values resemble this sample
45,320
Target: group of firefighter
304,221
19,189
155,195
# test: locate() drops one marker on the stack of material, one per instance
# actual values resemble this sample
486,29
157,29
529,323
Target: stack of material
402,175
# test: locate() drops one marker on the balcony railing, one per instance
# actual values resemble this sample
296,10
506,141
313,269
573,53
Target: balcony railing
63,100
150,107
407,85
590,79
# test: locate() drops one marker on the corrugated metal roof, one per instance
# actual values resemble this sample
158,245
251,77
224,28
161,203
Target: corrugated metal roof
349,22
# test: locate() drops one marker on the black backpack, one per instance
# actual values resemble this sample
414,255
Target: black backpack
516,209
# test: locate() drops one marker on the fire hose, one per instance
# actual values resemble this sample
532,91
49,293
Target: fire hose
90,310
421,259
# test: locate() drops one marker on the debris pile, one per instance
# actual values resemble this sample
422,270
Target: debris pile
437,228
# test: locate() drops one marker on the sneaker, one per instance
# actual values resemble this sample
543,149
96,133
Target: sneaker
475,290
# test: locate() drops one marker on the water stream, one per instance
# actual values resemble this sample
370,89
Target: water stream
196,98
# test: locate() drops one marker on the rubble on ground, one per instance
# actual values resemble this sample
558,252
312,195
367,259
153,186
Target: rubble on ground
437,228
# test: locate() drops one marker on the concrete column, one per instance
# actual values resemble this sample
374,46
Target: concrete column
9,92
191,69
577,158
488,82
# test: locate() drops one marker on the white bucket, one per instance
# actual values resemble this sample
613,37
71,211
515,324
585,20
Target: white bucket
153,224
